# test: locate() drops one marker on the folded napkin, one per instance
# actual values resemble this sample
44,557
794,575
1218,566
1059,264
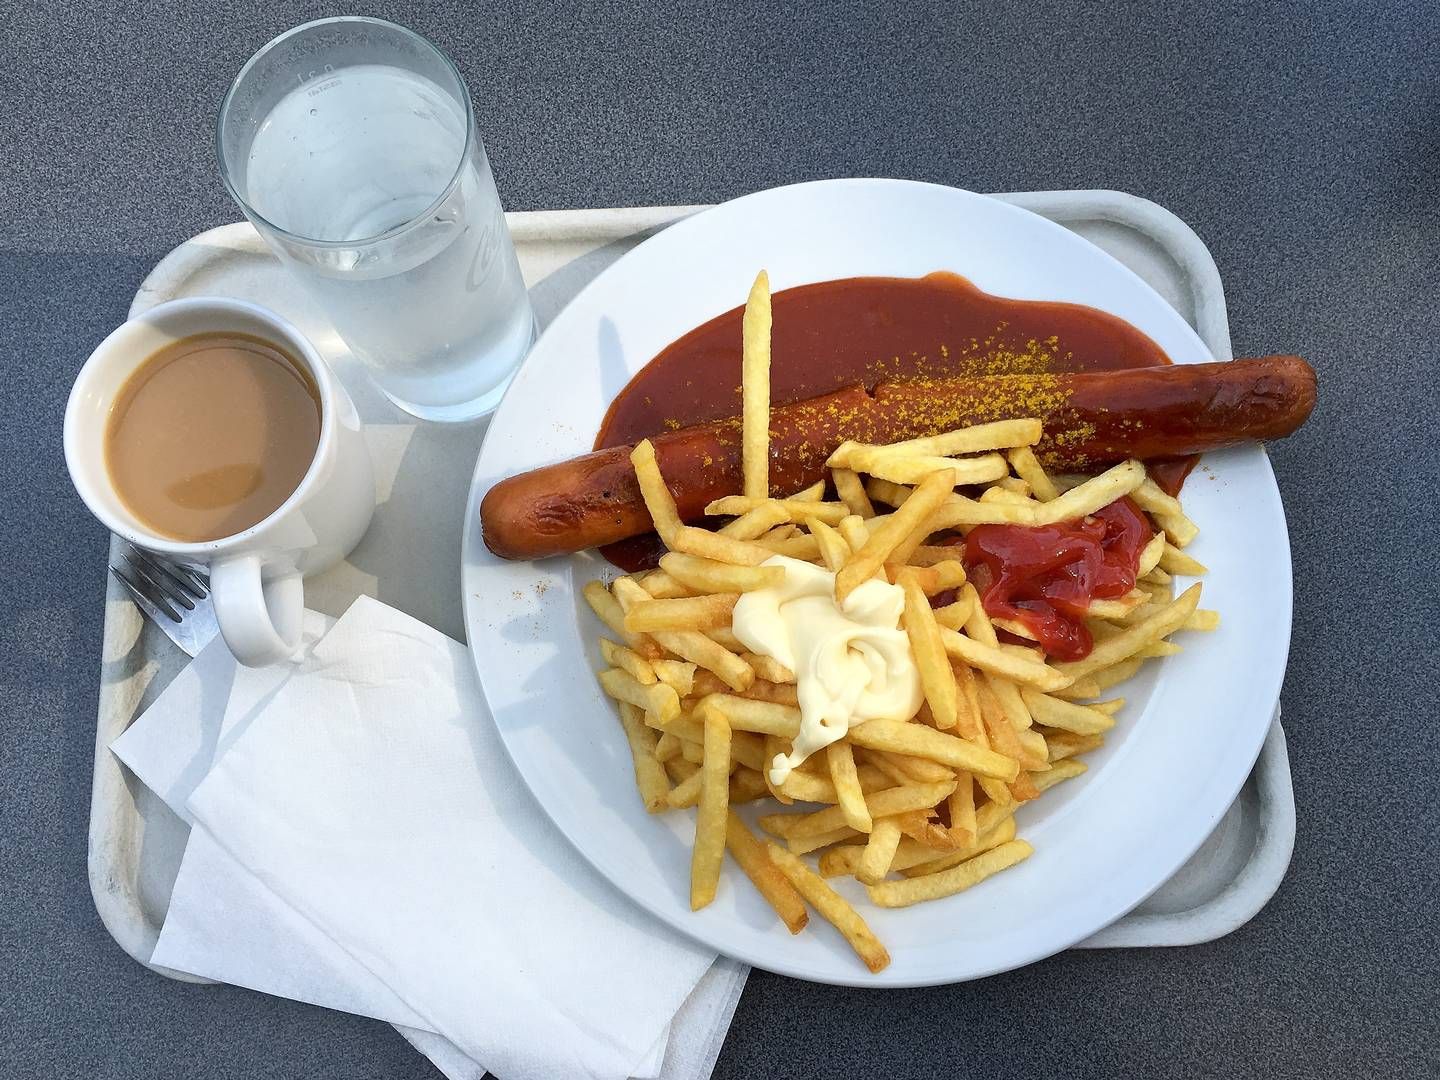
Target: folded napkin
361,841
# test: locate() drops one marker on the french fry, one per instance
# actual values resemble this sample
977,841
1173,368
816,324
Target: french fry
902,468
710,820
686,793
847,786
932,579
884,491
879,850
905,768
685,613
676,674
1001,832
747,785
768,668
692,751
930,554
1093,494
802,547
954,616
958,512
627,659
1159,649
803,786
650,778
706,653
1066,715
1202,620
896,530
935,745
1132,639
1175,561
756,522
661,586
746,714
795,509
755,389
726,549
658,499
1062,770
608,610
997,435
892,894
831,907
1063,744
998,662
896,800
667,745
750,855
1115,674
1027,466
936,678
1014,483
814,493
759,689
656,698
833,548
852,492
1166,511
968,724
962,810
1109,708
803,845
1150,554
855,532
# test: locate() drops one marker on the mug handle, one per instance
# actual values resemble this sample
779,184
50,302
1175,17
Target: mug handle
260,620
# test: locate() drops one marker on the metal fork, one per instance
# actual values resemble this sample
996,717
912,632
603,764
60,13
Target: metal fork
174,595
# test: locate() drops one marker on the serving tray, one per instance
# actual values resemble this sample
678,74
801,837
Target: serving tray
411,556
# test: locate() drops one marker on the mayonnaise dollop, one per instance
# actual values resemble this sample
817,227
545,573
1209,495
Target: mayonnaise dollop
851,661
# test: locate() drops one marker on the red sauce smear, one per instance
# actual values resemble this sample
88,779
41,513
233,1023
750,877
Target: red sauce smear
1045,576
864,330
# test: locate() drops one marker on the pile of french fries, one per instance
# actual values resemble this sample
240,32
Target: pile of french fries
913,807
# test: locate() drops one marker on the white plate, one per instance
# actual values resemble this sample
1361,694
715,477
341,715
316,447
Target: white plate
1185,742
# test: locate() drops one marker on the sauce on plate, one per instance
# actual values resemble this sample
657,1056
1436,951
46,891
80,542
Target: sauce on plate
864,330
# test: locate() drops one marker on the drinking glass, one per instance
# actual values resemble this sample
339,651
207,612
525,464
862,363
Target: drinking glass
350,144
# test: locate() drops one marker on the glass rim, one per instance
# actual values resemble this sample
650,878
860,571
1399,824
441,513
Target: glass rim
394,230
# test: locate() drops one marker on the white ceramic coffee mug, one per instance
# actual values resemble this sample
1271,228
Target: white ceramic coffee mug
256,574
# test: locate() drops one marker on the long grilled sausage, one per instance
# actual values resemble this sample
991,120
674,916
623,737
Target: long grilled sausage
1091,419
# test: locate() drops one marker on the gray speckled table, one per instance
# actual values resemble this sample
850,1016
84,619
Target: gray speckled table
1300,140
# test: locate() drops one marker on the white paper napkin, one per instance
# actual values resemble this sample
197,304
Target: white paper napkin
362,700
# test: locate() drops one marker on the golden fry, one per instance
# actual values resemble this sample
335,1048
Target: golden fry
710,820
608,610
658,499
756,522
684,613
649,772
935,745
795,509
852,492
627,659
1007,665
1027,466
847,786
755,389
936,678
896,800
893,894
746,714
879,850
832,907
1002,831
677,674
1066,715
749,853
1133,638
895,531
656,698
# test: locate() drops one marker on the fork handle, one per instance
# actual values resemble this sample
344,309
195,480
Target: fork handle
259,616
